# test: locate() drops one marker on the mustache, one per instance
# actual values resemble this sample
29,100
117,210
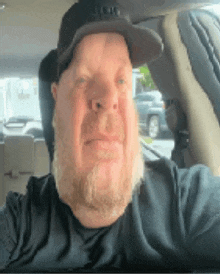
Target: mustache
108,123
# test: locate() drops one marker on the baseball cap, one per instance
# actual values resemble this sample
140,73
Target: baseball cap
97,16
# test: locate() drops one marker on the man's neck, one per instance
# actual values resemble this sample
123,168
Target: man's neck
95,219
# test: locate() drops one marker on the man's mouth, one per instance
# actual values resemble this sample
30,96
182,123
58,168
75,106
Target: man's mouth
100,144
104,146
105,139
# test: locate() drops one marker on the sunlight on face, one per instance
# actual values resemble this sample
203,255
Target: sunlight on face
94,99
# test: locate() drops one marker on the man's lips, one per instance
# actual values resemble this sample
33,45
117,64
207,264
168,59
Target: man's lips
109,143
101,137
103,145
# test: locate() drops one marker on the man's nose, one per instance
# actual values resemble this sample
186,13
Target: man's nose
106,101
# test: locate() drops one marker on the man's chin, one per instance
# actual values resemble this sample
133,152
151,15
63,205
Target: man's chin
106,197
104,189
101,187
102,158
106,175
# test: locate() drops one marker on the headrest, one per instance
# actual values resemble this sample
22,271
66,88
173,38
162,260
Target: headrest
189,71
47,75
200,32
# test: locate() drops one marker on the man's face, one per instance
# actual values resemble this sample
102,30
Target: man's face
96,133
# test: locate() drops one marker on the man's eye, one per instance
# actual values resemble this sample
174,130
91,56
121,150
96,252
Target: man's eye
81,81
121,81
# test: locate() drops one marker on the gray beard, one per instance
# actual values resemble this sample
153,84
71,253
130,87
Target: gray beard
80,190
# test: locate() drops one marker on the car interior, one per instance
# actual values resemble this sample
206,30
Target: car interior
187,74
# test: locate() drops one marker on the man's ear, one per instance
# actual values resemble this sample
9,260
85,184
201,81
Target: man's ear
54,88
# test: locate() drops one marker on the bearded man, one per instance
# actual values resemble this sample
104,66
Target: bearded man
97,154
103,209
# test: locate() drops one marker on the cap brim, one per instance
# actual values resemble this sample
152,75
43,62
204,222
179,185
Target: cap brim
146,44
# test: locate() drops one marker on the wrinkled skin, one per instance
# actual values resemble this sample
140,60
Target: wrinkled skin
97,155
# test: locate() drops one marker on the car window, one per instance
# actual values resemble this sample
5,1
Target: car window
1,101
149,98
215,9
145,97
19,106
153,128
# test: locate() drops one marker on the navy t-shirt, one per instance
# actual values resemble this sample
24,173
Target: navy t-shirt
171,225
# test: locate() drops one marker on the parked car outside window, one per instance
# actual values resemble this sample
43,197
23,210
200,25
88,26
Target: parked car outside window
151,110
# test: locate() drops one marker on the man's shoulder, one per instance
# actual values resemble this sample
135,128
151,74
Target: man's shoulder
36,187
162,169
164,178
161,180
168,170
38,190
39,193
22,211
39,183
40,186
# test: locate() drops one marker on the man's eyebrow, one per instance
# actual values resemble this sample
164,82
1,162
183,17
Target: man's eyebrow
124,61
79,60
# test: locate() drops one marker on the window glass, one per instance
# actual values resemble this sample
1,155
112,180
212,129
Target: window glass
153,128
1,101
19,106
213,8
139,86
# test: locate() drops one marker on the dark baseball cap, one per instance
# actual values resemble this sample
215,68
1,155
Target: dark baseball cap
97,16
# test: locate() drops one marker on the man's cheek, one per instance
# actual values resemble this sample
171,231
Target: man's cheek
129,123
63,110
133,130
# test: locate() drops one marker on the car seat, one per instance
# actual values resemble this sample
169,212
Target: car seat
47,75
188,73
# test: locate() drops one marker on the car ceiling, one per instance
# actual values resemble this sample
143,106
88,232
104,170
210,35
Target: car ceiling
29,28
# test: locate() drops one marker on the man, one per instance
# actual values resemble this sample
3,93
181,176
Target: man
104,209
96,130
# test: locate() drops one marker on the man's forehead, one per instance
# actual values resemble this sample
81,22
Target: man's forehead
84,60
103,37
100,45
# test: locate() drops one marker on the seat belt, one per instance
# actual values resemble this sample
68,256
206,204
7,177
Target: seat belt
177,123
